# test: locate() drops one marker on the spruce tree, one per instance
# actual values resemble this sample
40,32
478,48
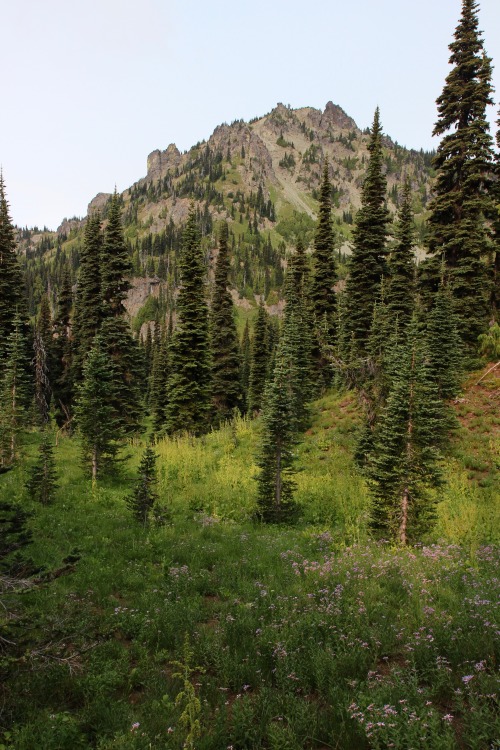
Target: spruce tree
495,302
144,496
226,385
259,360
463,162
188,405
15,390
400,288
405,461
88,304
42,483
322,294
367,264
11,279
41,379
94,411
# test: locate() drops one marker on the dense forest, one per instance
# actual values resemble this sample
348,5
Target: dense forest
260,507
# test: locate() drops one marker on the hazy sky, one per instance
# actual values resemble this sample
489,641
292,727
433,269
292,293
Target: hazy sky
90,88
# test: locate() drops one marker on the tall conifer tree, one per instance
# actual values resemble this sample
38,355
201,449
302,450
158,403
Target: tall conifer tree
259,360
457,228
11,280
323,298
368,261
400,288
226,385
88,305
62,350
188,405
406,456
15,387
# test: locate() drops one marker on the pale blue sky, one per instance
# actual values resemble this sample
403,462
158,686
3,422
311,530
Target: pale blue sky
91,87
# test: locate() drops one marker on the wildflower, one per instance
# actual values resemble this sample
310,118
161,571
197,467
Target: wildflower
448,718
467,678
135,726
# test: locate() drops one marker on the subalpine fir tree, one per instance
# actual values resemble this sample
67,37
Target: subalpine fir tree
406,456
88,304
115,332
496,229
116,267
62,354
444,346
325,276
462,194
259,360
144,496
42,387
94,411
367,264
275,503
15,388
42,483
226,385
11,279
245,359
189,386
159,382
400,288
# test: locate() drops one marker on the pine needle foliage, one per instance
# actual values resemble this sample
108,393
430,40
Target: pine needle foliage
401,269
325,276
259,360
116,267
15,392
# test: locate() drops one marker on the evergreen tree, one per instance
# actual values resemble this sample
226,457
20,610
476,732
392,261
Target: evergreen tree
496,228
457,229
62,353
444,344
115,332
144,497
400,290
116,268
259,361
42,483
226,385
245,359
42,384
14,394
405,460
159,382
188,405
323,298
88,304
276,486
11,280
368,261
94,411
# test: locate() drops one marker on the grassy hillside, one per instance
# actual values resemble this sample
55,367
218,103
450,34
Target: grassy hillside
212,632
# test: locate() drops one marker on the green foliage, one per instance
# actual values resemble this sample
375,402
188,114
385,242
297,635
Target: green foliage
297,226
259,361
225,356
444,345
190,718
11,280
144,497
400,290
116,268
42,482
15,392
94,410
189,382
367,264
489,343
463,162
62,354
406,455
